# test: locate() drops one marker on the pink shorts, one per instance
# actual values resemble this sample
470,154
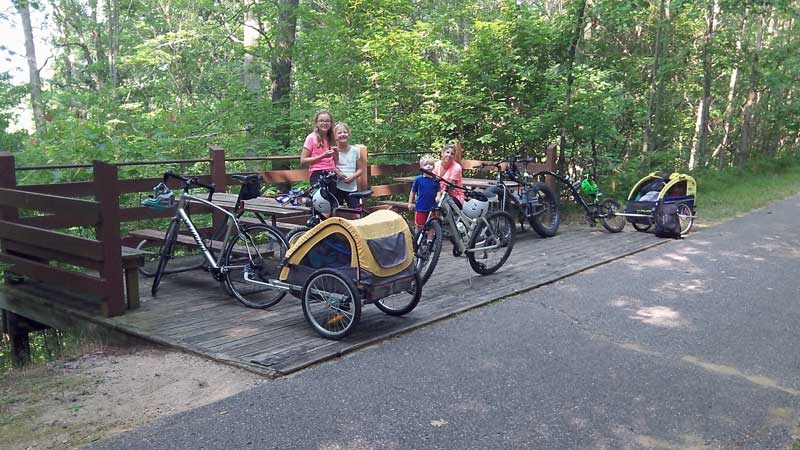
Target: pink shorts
421,217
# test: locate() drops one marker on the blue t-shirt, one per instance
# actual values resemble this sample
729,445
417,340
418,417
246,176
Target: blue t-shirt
426,189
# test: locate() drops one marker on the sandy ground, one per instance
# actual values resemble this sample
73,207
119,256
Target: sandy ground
69,403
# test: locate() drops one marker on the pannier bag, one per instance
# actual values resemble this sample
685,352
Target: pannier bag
668,224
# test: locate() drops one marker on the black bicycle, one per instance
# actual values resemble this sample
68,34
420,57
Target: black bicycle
605,210
529,201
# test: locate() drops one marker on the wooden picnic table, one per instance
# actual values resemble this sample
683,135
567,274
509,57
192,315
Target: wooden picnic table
468,182
260,206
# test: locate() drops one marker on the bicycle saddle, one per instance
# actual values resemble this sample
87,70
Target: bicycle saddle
360,194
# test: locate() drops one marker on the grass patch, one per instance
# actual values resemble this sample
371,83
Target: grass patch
731,192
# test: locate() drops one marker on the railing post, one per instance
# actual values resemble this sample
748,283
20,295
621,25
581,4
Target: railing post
8,180
363,179
106,188
219,177
550,163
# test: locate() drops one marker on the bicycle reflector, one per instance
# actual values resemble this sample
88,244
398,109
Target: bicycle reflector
588,187
161,199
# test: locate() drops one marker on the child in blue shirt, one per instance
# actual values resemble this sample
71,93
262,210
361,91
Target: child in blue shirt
423,193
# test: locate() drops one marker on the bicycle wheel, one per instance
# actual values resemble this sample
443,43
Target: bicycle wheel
608,216
686,217
427,247
489,247
331,304
256,253
638,226
181,263
402,302
165,254
544,219
293,235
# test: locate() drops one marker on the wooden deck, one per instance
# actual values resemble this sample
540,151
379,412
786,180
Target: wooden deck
192,312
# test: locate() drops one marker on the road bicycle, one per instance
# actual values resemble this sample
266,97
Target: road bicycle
606,210
533,202
250,253
324,204
486,238
190,258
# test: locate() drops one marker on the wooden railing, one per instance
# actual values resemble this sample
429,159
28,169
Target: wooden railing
46,256
32,247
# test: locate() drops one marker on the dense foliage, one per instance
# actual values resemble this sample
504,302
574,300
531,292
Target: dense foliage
671,84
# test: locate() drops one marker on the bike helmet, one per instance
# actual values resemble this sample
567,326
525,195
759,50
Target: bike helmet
588,187
475,208
161,199
323,203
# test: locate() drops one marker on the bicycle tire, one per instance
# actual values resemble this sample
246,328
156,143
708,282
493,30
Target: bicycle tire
506,232
685,214
293,235
546,219
260,248
166,253
426,252
610,221
331,304
642,227
402,302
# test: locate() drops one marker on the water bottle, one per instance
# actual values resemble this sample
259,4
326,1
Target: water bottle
462,230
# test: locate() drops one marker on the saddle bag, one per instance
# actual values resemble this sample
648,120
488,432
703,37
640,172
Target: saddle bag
667,222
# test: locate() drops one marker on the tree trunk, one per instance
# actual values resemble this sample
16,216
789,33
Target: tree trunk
700,141
100,57
721,152
573,46
748,122
649,123
250,76
113,41
282,68
33,68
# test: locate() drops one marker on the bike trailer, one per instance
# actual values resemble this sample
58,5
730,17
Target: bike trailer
656,189
375,252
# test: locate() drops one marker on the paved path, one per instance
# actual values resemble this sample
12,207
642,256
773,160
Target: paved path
688,345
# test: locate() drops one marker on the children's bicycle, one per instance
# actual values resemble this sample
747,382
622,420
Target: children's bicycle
486,238
249,253
606,210
534,202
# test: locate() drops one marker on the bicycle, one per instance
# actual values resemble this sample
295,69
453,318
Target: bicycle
324,204
251,254
251,188
606,210
472,229
534,202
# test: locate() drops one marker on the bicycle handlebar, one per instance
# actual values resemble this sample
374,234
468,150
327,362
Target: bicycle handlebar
190,182
469,192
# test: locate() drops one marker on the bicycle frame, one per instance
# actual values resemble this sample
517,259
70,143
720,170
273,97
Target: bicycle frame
449,211
181,214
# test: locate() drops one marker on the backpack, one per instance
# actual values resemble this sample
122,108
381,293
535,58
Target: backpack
668,224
